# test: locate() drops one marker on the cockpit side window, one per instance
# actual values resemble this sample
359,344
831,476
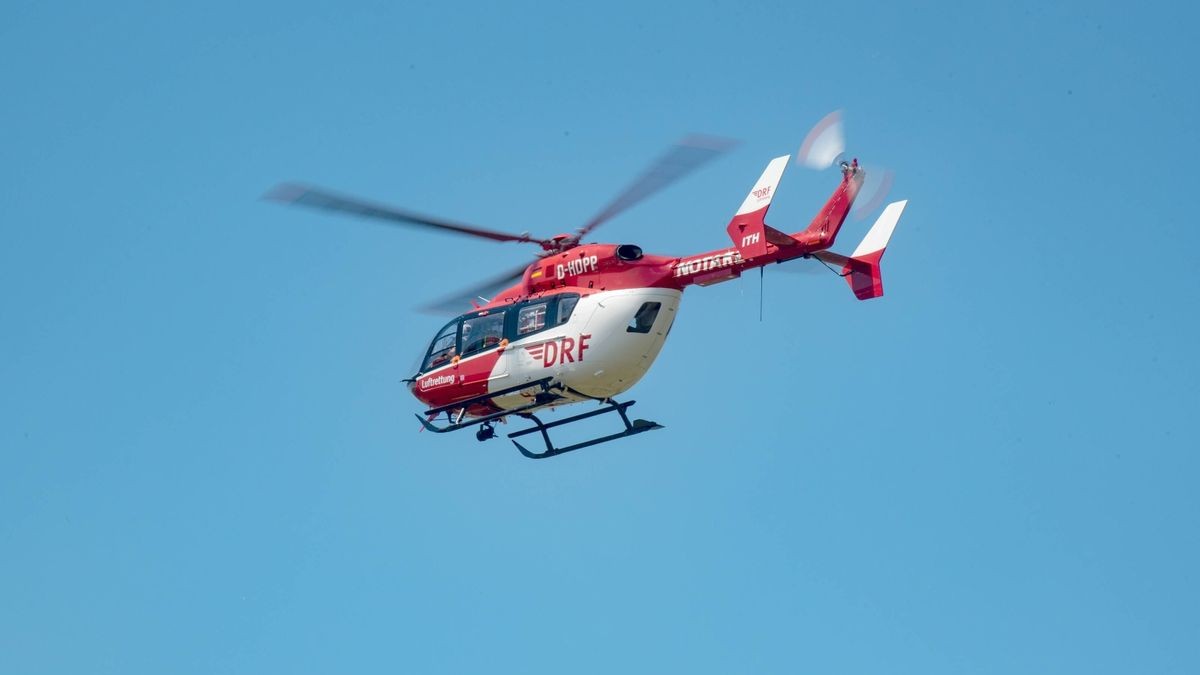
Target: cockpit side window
442,348
531,318
566,305
482,332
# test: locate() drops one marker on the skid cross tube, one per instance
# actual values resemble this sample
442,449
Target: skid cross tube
631,428
540,399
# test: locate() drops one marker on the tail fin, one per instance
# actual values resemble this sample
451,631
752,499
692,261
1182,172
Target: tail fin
747,229
861,269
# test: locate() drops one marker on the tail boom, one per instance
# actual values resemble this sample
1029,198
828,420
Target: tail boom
756,244
824,228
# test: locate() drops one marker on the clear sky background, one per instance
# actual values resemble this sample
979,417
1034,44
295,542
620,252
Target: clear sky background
208,463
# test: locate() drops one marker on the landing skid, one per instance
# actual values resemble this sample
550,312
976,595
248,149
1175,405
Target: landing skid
546,395
631,428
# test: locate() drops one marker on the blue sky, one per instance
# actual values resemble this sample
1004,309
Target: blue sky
208,463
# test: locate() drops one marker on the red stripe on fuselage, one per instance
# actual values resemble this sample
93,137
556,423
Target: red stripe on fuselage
458,381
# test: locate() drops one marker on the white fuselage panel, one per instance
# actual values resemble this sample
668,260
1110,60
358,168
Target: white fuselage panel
600,352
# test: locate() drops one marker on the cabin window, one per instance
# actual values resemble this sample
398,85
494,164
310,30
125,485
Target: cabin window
531,318
566,305
643,321
442,349
482,332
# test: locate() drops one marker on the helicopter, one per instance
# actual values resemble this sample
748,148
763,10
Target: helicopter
584,322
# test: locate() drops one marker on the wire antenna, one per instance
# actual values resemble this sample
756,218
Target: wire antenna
760,292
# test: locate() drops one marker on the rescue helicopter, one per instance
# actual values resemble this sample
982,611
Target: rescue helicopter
585,321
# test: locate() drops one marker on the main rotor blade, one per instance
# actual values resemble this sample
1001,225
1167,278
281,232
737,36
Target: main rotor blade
681,159
459,302
319,198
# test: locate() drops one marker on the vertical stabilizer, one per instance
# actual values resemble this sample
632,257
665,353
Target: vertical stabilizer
861,269
747,229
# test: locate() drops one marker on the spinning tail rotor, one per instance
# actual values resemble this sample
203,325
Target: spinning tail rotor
825,145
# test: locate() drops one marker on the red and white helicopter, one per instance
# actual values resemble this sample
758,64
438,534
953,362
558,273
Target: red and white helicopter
584,322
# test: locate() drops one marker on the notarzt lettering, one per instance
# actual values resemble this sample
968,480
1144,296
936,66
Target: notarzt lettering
708,262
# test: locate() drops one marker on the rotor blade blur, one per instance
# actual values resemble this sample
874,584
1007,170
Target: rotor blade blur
824,142
318,198
459,302
681,159
873,193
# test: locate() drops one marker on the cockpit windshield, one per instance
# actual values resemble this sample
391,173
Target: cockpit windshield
478,332
442,349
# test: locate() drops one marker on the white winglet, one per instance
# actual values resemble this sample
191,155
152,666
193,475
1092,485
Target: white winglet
879,234
760,197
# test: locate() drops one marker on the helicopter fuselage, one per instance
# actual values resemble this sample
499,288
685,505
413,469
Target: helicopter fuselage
596,344
592,318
